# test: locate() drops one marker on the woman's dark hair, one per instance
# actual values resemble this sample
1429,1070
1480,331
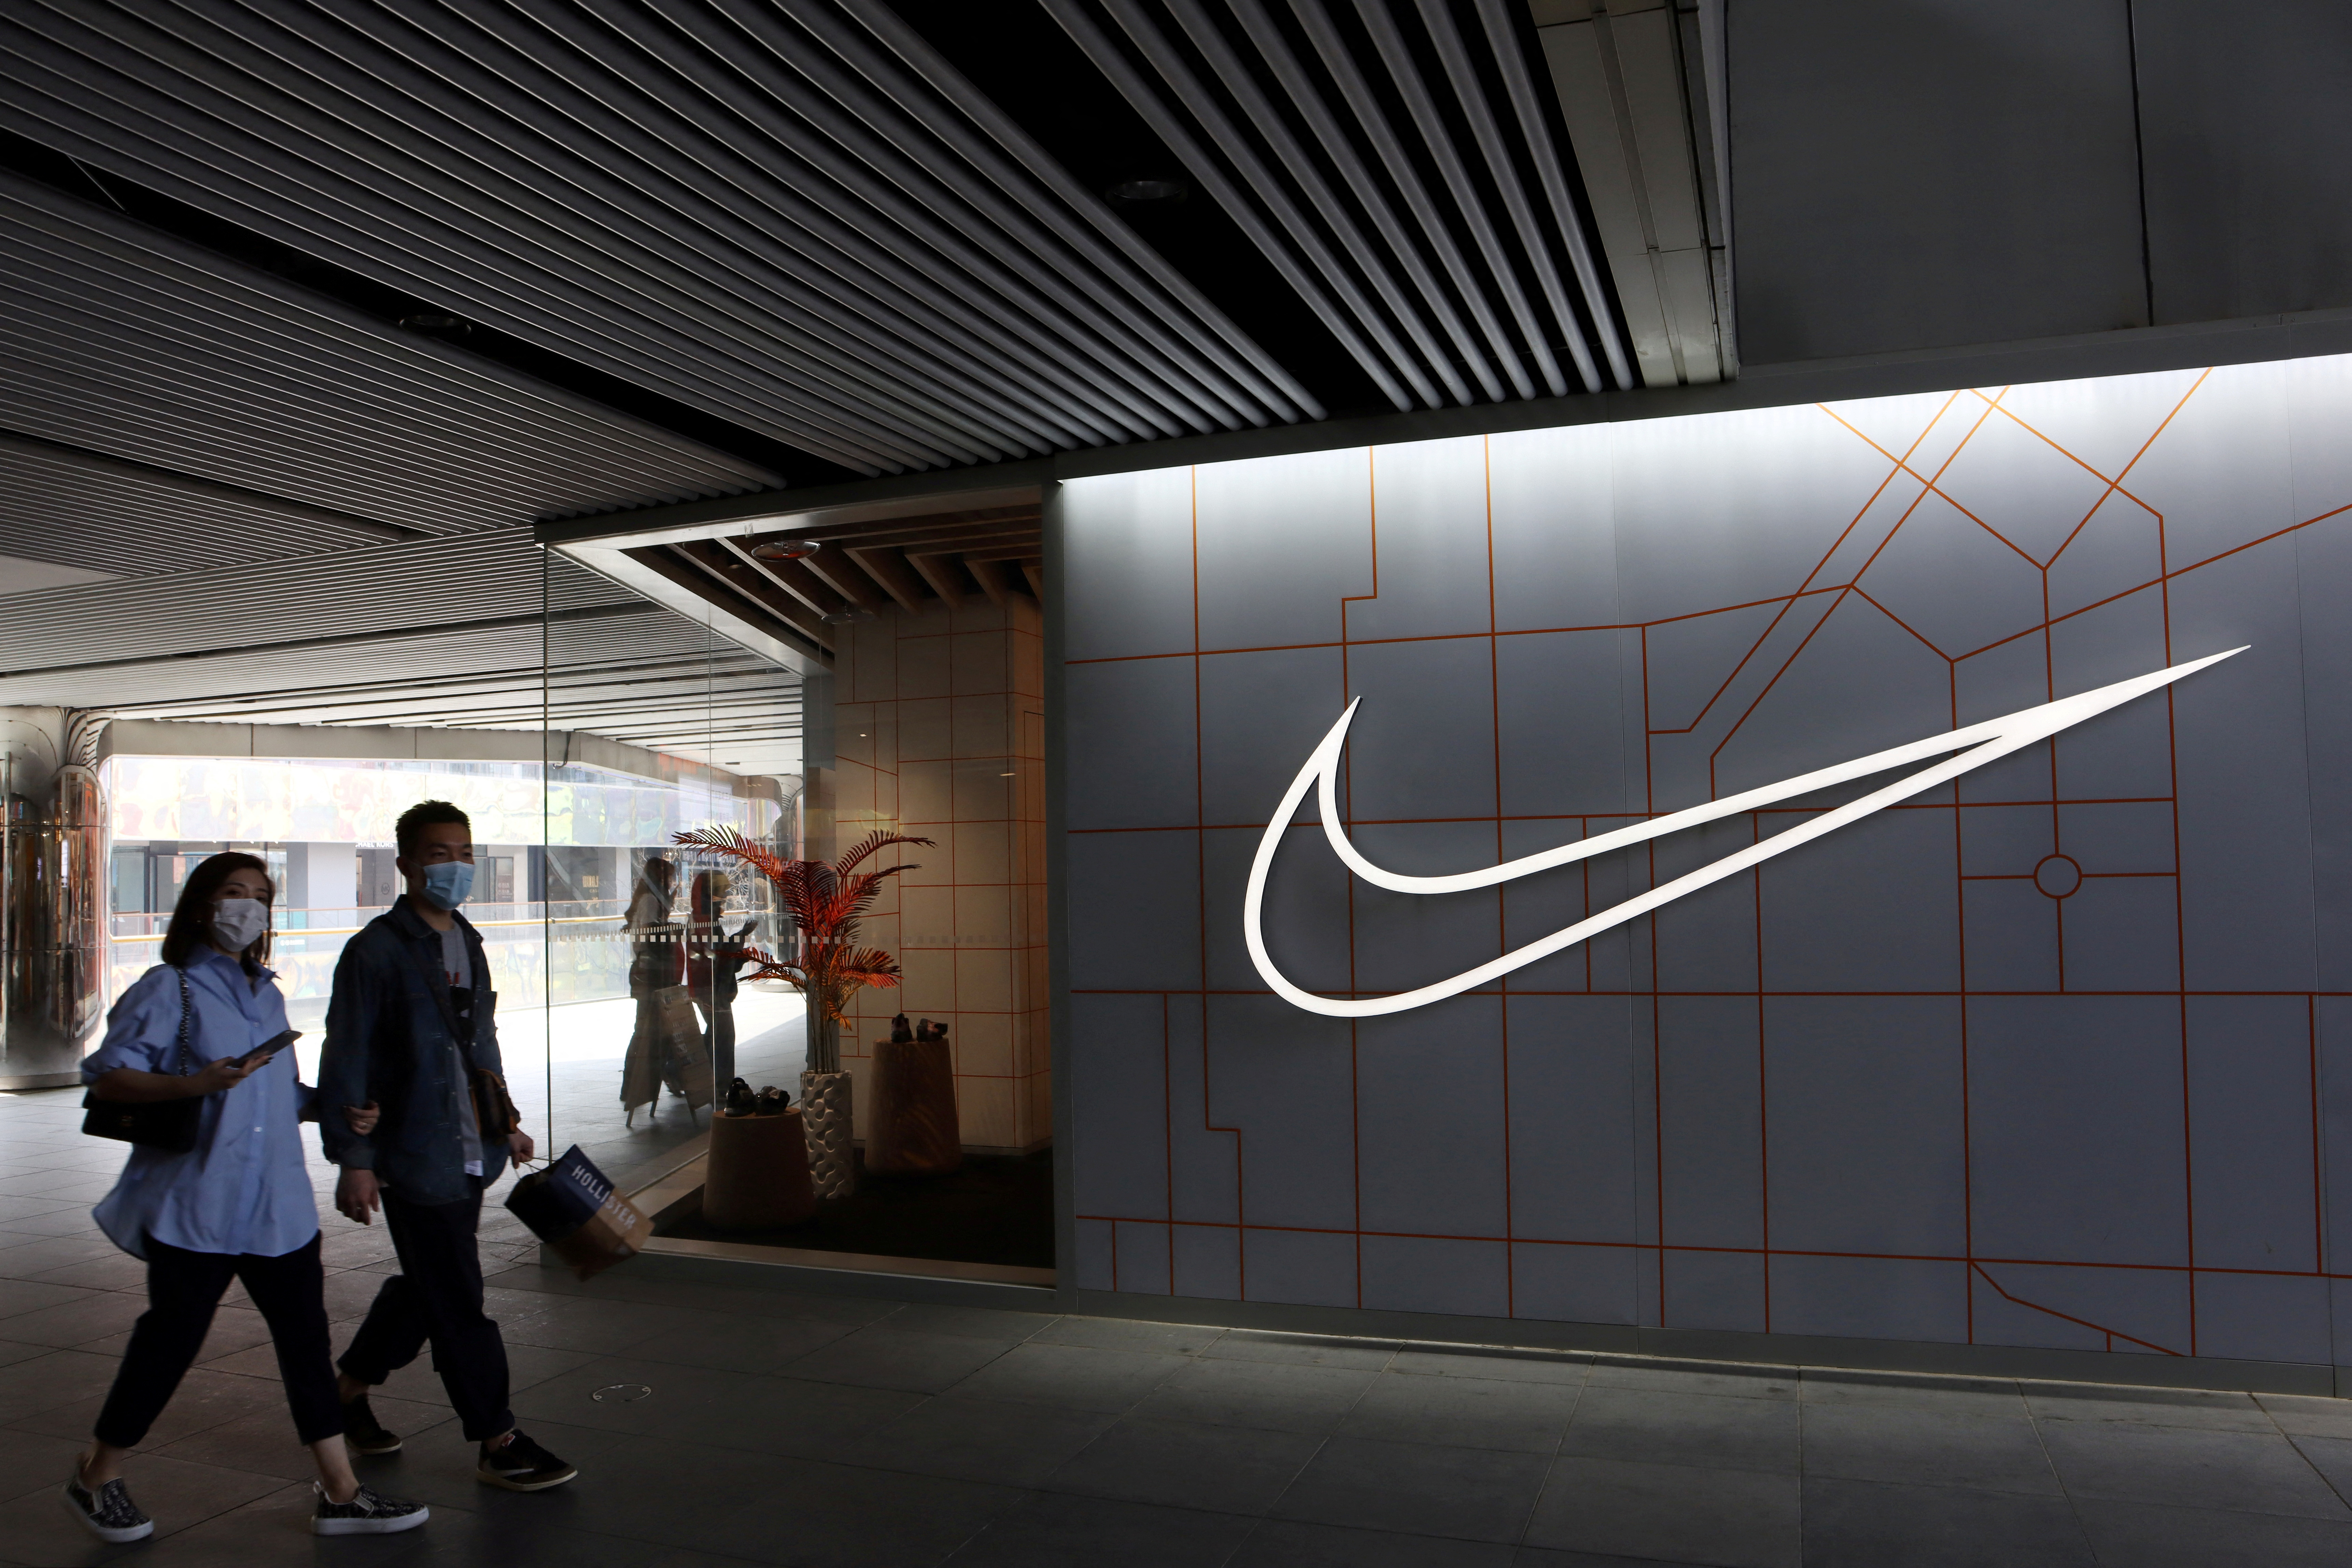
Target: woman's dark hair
190,931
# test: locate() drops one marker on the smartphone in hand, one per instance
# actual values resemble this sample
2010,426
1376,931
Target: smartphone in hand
267,1048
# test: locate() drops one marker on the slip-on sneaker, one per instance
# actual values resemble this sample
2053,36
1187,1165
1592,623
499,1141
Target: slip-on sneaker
362,1433
369,1512
520,1465
108,1512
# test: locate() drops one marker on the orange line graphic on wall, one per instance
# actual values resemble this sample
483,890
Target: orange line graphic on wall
1985,743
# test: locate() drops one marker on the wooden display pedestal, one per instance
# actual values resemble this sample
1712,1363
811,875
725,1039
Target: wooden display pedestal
757,1178
913,1131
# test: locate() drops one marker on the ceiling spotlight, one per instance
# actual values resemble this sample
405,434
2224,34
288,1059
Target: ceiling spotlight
1149,193
787,549
848,614
438,325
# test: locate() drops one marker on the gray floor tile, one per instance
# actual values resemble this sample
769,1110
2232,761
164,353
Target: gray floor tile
1305,1350
822,1516
966,1322
2188,1467
1129,1334
1005,1443
737,1343
1277,1396
1684,1429
1293,1543
809,1420
2146,1407
77,1323
1961,1395
2301,1414
1493,1366
27,1259
572,1323
1657,1375
1866,1525
72,1220
30,1461
204,1400
18,1297
233,1329
882,1358
13,1210
1057,1531
2143,1535
44,1382
1474,1494
1927,1447
114,1271
2332,1457
1080,1376
1225,1470
1463,1412
40,1534
1737,1519
681,1397
1545,1557
263,1442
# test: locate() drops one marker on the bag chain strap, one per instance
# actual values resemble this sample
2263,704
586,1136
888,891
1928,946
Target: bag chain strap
184,1006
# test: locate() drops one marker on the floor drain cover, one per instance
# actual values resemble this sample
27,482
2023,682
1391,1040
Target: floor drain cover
622,1393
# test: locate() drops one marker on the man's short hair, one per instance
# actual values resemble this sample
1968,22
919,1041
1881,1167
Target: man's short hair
422,814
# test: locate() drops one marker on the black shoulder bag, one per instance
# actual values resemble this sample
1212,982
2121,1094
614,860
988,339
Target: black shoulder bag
166,1124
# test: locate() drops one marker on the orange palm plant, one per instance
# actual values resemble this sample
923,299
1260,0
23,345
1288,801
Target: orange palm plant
826,903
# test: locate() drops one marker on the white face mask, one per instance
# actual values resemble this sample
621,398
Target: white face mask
237,923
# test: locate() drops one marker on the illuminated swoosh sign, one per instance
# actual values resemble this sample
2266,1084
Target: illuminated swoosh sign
1984,742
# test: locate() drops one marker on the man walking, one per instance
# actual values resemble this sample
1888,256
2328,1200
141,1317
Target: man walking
410,1028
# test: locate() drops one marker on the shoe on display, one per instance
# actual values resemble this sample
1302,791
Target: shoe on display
900,1033
369,1512
774,1101
108,1512
520,1465
930,1033
362,1433
740,1100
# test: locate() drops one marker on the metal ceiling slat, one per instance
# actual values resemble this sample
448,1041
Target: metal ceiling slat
920,371
93,127
1189,151
867,271
867,123
184,79
1135,266
155,290
1002,297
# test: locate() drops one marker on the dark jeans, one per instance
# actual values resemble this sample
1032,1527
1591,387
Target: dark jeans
183,1289
437,1297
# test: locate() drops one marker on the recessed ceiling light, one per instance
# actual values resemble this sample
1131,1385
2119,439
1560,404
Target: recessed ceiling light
848,614
439,325
787,549
1148,191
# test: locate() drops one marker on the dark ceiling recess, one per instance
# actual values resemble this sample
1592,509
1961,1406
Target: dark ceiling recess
841,238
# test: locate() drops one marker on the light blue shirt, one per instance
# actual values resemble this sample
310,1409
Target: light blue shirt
245,1186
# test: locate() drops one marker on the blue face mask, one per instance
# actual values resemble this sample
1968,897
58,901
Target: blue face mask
448,883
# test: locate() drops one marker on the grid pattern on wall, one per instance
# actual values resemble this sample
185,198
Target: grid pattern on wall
2060,1055
940,733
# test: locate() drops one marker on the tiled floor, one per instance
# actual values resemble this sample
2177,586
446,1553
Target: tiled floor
824,1430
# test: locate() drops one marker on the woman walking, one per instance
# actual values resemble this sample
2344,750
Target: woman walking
209,1023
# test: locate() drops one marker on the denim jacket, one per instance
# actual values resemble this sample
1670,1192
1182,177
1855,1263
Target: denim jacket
388,1032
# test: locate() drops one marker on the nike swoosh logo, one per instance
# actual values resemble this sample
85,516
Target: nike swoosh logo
1984,742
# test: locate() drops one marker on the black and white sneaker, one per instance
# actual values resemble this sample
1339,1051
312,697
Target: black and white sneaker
520,1465
108,1513
362,1433
369,1512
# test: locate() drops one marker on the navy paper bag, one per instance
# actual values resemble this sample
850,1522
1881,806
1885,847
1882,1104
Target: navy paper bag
572,1207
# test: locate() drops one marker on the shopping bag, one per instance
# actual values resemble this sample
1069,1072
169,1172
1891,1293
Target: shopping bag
686,1058
575,1209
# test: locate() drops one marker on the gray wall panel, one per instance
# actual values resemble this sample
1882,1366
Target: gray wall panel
1888,1084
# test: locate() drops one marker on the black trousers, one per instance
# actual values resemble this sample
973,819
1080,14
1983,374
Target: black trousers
182,1290
437,1298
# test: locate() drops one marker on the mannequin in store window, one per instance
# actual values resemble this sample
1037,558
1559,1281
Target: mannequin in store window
713,959
656,967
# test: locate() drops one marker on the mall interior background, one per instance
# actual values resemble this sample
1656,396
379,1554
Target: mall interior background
333,477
